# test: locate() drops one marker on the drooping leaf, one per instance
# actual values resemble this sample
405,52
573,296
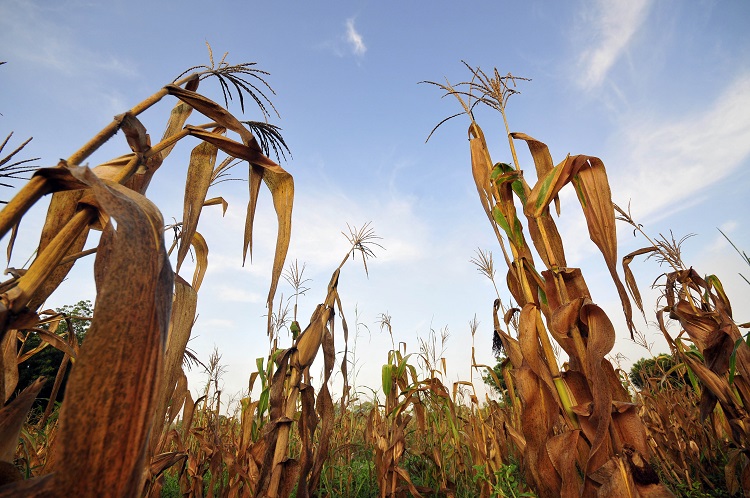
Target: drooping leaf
217,200
601,340
279,182
630,279
481,167
201,259
113,389
542,228
181,321
200,168
563,457
539,415
589,178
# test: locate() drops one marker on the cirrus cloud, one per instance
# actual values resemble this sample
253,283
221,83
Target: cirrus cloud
614,25
354,39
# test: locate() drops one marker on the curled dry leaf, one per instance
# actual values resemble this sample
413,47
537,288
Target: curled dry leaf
201,259
217,200
630,279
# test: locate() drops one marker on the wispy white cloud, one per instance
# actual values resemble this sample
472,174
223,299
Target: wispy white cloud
613,24
669,163
39,44
351,42
31,32
354,39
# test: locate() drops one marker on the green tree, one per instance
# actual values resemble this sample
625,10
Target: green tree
657,371
46,362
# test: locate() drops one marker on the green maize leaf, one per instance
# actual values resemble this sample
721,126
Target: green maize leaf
579,191
497,170
545,185
387,376
733,359
714,282
517,187
261,370
518,234
514,234
500,219
402,365
264,403
501,169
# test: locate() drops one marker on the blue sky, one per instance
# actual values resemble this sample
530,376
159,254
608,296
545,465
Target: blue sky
659,90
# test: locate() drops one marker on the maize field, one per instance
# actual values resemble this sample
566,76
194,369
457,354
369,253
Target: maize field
568,422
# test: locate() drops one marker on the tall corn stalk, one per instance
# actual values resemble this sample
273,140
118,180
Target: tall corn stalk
118,396
582,435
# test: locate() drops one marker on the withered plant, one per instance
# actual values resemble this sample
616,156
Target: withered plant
581,434
719,358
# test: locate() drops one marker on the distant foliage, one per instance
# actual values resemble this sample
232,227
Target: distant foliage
46,362
657,372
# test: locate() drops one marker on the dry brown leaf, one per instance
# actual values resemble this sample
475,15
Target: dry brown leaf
601,340
481,166
201,259
560,450
217,200
112,391
180,325
279,182
163,461
43,182
561,325
541,156
615,480
178,117
563,285
55,341
533,355
589,177
700,325
539,415
630,279
8,351
200,168
61,209
543,229
12,417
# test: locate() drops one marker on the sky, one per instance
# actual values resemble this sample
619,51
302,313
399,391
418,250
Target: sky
660,91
